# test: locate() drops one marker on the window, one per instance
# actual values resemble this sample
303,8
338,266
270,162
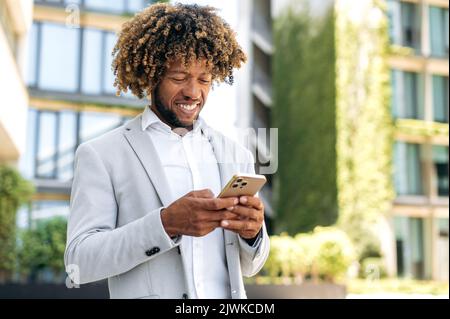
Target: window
407,95
440,161
30,76
95,124
59,58
53,137
409,234
407,169
92,62
66,66
108,87
67,144
47,124
404,24
440,98
26,161
438,31
107,6
442,248
117,6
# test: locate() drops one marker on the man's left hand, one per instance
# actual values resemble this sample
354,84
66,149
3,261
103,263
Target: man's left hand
251,216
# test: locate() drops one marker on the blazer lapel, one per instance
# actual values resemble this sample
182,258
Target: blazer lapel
143,146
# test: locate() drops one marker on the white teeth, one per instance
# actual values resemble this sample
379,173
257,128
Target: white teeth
188,107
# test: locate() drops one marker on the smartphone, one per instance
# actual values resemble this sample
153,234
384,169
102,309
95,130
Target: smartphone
243,185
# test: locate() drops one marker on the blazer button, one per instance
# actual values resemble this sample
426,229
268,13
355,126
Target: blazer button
185,296
152,251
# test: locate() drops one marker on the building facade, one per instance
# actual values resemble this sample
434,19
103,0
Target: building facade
15,23
419,78
414,230
71,95
254,91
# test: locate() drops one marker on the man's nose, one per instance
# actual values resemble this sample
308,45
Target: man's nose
192,91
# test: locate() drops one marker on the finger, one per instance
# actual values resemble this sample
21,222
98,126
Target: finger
239,225
202,193
247,212
217,203
217,216
251,201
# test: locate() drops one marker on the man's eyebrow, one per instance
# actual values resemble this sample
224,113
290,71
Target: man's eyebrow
185,72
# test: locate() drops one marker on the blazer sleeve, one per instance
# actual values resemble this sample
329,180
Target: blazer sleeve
95,248
252,258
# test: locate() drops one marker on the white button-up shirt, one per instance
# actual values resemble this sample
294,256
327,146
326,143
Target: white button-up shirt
190,164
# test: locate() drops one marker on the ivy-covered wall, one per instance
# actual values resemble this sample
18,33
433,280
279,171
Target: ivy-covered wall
364,123
305,114
332,92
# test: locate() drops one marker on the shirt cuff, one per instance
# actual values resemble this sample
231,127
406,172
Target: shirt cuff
253,242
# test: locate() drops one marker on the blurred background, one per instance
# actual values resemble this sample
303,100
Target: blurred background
357,205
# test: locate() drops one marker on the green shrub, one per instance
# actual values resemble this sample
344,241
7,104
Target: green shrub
326,253
14,191
279,262
373,268
333,253
43,247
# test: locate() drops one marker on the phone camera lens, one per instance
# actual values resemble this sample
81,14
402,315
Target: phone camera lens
244,183
235,185
239,180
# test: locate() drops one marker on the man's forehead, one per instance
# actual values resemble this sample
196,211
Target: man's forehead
194,66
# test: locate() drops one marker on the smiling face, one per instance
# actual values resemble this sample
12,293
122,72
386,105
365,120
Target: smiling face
182,93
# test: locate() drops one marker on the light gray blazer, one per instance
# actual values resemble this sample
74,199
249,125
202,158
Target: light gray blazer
115,230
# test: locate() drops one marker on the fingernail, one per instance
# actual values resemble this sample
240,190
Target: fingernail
230,208
243,199
225,223
236,201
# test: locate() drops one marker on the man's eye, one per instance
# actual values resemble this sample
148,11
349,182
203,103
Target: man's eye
205,81
178,79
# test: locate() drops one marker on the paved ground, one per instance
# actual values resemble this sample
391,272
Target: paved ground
395,296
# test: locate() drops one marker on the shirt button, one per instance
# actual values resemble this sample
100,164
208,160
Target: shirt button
185,296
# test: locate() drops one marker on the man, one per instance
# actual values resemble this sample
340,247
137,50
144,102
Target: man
144,212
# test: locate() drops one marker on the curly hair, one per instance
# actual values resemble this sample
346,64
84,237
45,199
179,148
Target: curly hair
162,33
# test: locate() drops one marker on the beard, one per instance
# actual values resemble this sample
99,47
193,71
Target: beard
168,115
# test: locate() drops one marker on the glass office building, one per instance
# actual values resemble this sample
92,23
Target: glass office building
72,98
420,99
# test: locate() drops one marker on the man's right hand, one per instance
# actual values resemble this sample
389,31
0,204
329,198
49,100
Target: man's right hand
197,213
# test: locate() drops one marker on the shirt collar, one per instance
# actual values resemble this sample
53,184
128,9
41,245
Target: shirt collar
150,119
